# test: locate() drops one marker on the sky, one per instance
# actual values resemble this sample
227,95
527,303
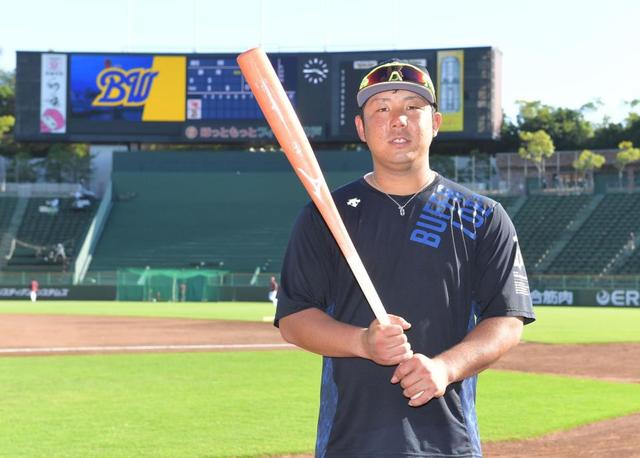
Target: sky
563,53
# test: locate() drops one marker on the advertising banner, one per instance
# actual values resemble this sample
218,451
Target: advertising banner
53,94
61,293
451,90
587,297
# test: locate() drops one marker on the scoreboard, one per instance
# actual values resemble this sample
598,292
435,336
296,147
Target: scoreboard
216,89
203,98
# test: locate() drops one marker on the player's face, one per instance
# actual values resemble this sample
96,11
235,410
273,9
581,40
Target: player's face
398,126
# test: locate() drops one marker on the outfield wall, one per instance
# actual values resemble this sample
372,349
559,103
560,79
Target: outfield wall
604,297
61,293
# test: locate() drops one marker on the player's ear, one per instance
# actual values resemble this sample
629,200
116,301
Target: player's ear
437,122
360,128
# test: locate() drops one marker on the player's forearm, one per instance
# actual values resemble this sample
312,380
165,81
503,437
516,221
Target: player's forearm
317,332
491,339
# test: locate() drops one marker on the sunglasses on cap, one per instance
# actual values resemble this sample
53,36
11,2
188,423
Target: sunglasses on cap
396,75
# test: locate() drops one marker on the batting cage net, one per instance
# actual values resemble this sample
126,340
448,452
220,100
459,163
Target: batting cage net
176,285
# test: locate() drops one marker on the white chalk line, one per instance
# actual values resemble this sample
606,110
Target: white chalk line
108,348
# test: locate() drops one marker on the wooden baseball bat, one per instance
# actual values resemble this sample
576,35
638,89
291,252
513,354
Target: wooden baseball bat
284,122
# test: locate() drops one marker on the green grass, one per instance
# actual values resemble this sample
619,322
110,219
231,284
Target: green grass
513,405
262,403
159,405
584,325
246,311
237,404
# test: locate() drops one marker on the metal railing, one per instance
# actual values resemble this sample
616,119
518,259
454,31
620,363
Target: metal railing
109,278
43,278
583,281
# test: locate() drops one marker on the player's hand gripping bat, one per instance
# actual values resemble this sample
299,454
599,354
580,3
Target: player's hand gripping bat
280,115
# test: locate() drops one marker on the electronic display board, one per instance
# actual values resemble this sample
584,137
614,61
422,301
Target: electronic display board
203,98
216,89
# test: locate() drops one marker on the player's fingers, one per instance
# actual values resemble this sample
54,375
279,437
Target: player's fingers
408,381
386,329
421,398
391,330
403,370
399,354
395,319
395,341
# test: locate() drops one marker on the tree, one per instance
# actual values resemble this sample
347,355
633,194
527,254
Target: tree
7,108
611,133
627,155
568,128
67,163
7,93
536,147
22,168
6,124
587,162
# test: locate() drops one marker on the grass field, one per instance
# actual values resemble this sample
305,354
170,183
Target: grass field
245,311
257,403
237,404
584,325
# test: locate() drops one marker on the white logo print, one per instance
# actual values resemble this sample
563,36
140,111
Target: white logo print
353,202
603,297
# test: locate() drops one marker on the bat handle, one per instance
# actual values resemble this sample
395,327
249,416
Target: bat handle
359,271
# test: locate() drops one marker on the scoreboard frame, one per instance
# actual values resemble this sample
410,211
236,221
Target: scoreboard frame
152,96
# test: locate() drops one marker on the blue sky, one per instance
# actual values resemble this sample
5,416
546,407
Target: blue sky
564,53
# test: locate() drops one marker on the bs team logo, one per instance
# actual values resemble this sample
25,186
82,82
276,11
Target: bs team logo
114,87
129,88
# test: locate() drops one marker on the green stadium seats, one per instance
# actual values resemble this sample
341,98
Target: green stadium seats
67,226
541,220
233,221
235,211
601,237
230,210
7,206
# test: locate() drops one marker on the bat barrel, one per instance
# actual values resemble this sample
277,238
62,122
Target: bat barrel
276,106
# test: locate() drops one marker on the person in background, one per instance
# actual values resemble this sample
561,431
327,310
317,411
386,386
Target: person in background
34,290
273,291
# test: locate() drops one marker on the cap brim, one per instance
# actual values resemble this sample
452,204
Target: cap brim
370,91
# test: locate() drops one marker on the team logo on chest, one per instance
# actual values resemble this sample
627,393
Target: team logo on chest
449,208
353,202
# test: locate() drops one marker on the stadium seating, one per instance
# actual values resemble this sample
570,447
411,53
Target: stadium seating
46,229
632,264
222,210
235,212
7,206
542,219
508,203
602,236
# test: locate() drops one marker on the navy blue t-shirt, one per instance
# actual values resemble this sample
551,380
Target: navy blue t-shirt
452,260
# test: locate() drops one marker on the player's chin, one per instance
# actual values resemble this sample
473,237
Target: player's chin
401,159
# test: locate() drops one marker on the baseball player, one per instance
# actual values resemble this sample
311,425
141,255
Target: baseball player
273,291
447,266
33,295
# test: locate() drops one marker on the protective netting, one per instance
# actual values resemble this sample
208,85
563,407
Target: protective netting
177,285
53,252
